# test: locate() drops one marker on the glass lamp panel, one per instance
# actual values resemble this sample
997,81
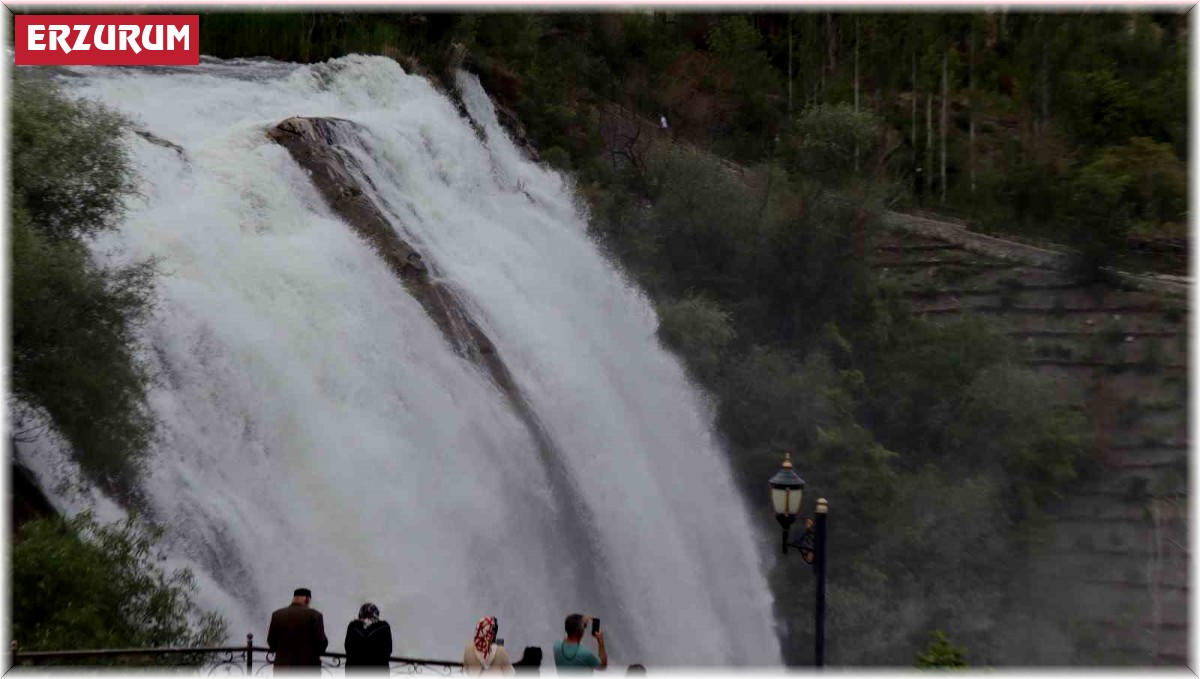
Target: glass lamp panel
779,499
794,497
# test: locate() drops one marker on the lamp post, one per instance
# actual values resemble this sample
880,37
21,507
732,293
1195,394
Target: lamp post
787,490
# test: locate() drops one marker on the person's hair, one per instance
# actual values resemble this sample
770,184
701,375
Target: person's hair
636,669
531,658
302,591
368,610
574,625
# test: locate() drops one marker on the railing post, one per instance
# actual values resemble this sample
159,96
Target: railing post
249,654
821,527
15,648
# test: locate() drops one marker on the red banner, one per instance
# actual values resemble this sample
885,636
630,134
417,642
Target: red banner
107,39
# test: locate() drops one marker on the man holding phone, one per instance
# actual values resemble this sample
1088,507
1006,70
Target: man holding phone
569,653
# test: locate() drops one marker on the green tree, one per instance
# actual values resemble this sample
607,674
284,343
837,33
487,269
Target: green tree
70,171
941,654
1143,176
704,224
1104,107
754,84
77,584
73,321
699,330
827,138
1012,416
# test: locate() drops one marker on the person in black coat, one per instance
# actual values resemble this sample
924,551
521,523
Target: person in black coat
530,662
297,634
368,640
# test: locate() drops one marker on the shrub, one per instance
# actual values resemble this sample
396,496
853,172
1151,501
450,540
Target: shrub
1012,416
79,585
558,158
770,398
699,330
941,654
865,481
827,138
704,221
1144,175
1100,107
920,380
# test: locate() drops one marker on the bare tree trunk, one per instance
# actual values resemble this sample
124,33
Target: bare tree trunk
1040,94
971,106
831,36
828,41
308,39
856,33
789,24
914,100
945,101
929,143
1045,82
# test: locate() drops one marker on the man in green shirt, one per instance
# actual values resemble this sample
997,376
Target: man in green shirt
569,653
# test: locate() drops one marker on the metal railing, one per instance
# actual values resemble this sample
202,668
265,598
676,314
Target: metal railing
248,660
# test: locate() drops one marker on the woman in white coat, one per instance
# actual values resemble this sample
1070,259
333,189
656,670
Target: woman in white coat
483,655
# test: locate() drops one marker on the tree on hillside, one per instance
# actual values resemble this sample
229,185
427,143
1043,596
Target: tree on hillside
74,321
941,654
78,584
738,48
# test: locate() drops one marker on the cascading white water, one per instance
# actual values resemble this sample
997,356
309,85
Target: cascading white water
318,430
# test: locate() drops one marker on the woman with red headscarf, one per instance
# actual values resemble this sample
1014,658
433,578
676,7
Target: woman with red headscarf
483,655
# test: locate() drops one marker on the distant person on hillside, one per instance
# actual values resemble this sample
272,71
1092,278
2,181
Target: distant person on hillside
569,653
368,640
530,662
297,634
483,655
662,123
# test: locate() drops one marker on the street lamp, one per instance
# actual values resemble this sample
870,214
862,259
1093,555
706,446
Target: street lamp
787,490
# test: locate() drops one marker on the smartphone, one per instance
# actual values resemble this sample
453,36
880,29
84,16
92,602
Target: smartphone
595,625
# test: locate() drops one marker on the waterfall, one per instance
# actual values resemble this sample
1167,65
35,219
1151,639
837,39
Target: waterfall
319,429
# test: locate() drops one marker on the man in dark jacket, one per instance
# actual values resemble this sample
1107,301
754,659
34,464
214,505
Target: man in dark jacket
368,640
297,633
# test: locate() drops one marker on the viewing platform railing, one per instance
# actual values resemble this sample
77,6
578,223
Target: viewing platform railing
248,660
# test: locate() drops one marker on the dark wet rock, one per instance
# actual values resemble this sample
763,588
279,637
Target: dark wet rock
159,141
26,500
313,142
456,54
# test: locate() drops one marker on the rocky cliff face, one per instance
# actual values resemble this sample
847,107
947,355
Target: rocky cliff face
1112,579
